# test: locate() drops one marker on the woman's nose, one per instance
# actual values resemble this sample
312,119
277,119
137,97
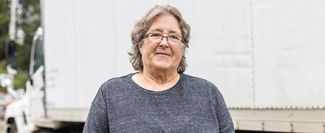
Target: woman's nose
164,42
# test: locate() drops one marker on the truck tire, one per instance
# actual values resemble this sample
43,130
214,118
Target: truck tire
12,127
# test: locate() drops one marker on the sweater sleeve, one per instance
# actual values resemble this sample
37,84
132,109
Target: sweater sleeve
97,120
222,112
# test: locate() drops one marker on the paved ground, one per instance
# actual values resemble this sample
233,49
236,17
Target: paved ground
2,127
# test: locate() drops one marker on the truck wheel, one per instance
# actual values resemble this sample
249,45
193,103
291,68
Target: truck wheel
12,127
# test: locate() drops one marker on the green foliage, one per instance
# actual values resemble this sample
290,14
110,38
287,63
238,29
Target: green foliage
4,24
3,89
20,80
2,70
3,66
29,21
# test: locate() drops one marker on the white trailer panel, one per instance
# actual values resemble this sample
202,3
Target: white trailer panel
289,58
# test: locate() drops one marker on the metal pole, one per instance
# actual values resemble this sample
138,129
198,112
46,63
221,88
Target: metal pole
13,19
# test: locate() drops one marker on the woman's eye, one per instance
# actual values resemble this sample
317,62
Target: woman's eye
174,37
155,35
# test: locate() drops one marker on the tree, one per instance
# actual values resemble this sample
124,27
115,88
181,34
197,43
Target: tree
4,23
28,20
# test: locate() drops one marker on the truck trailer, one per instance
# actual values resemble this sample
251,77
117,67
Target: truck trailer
266,57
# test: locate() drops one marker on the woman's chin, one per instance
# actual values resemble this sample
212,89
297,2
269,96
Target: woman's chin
163,66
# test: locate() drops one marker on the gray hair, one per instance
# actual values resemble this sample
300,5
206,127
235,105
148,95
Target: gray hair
142,26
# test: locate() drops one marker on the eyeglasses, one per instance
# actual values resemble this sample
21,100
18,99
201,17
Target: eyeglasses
158,37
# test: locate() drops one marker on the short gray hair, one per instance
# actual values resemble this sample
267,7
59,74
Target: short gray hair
142,26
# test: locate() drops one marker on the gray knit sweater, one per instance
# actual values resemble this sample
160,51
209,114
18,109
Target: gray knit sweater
193,105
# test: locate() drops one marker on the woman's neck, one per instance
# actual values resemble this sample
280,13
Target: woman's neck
159,78
156,81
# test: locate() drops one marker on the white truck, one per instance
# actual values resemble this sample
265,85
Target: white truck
266,56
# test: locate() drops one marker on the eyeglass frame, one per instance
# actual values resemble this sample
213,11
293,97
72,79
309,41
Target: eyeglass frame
162,36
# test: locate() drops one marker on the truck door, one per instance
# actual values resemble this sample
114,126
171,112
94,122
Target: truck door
36,85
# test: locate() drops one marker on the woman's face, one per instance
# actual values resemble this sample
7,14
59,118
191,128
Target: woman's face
163,55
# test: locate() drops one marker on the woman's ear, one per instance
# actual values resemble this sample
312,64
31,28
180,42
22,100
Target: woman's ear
140,48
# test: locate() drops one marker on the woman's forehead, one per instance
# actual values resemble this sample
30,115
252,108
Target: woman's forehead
171,31
165,24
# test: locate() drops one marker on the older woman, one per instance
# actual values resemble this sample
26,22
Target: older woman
159,97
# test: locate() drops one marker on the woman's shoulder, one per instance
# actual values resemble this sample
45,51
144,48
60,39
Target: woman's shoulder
200,86
193,80
117,82
118,79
